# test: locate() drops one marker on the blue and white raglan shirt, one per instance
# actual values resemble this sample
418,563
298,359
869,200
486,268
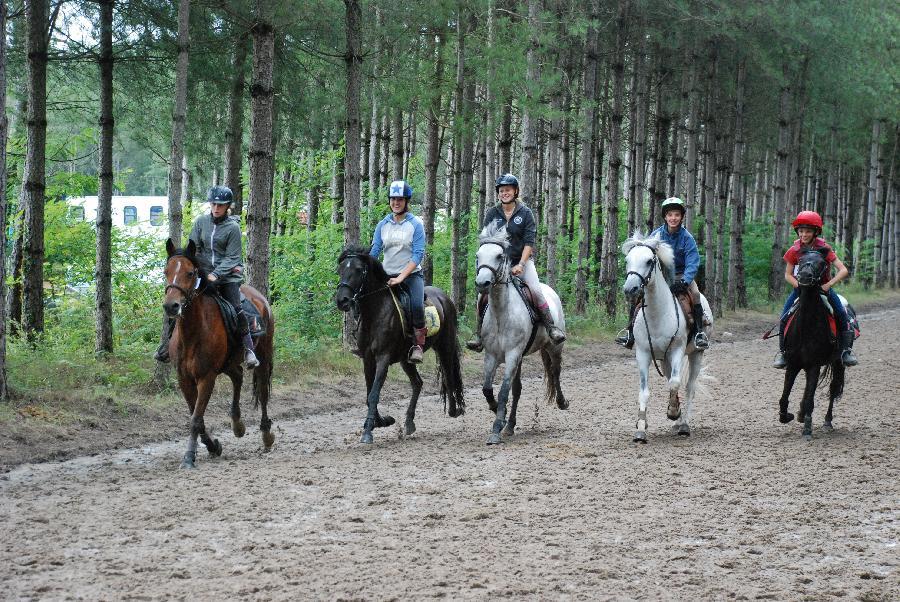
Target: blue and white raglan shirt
401,243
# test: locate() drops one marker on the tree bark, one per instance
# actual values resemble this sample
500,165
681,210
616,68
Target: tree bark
776,266
692,131
259,212
32,194
234,132
530,118
737,290
179,116
617,66
505,144
397,151
4,130
103,267
432,153
353,58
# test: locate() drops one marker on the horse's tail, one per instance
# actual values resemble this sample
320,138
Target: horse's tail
837,372
446,347
262,374
552,371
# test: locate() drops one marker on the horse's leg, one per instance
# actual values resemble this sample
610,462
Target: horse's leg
415,381
198,426
262,385
643,362
487,387
237,380
512,364
188,388
809,397
834,392
789,377
673,412
695,363
510,428
381,368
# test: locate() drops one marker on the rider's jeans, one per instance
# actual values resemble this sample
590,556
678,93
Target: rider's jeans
416,284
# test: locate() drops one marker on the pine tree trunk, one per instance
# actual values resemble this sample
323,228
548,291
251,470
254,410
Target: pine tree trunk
589,128
103,267
32,196
640,139
776,266
565,193
736,283
692,131
353,59
259,212
530,120
4,131
866,259
234,132
397,151
374,149
553,186
707,237
658,177
617,67
179,116
432,154
505,144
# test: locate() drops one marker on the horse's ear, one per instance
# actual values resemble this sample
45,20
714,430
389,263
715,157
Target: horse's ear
823,251
191,249
170,248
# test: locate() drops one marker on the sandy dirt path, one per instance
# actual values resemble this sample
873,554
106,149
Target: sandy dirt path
569,508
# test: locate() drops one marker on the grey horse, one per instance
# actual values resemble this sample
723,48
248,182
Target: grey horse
507,330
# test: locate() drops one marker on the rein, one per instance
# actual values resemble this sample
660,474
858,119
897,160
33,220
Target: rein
188,294
645,280
357,292
501,274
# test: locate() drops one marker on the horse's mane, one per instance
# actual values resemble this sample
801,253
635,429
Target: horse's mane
662,249
375,267
493,233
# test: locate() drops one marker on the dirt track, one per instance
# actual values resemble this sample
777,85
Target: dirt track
568,509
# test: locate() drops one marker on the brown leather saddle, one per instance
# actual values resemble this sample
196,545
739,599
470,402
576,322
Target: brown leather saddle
687,306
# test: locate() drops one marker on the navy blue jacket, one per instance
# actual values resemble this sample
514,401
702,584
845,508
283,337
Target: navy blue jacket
521,228
687,257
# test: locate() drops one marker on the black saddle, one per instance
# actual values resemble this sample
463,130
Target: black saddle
254,319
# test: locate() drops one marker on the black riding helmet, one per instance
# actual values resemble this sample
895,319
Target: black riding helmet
220,195
507,179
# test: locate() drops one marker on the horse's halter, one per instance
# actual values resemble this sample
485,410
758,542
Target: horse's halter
188,294
645,280
807,273
501,274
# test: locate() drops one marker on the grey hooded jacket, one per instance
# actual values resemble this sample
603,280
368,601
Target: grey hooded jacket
219,247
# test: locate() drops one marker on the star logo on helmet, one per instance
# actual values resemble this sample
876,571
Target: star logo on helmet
396,190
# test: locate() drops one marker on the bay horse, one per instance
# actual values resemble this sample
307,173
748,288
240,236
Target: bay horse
363,291
810,343
509,334
661,332
200,350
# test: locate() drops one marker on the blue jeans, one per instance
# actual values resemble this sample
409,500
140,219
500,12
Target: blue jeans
840,314
416,285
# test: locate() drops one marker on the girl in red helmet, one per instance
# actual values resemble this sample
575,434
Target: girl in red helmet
808,226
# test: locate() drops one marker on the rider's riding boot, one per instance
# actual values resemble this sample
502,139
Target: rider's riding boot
418,350
475,343
249,357
553,331
625,338
847,348
701,341
162,352
780,362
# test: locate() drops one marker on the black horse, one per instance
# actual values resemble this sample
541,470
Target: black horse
364,292
809,344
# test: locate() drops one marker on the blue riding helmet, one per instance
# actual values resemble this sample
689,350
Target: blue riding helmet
220,195
400,188
506,179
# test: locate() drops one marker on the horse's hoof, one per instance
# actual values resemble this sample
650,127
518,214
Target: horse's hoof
827,427
509,431
785,417
367,438
800,418
640,437
562,404
807,436
673,414
410,428
385,421
188,462
492,407
216,450
238,428
268,438
684,430
494,439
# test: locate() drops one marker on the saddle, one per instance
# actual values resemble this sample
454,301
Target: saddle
254,319
404,309
524,292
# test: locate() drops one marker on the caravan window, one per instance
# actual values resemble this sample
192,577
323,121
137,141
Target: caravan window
156,215
130,214
76,213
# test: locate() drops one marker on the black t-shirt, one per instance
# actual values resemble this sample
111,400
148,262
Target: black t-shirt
520,227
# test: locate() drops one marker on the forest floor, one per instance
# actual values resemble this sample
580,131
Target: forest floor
569,508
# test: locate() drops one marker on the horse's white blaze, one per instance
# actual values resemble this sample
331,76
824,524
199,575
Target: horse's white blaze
177,269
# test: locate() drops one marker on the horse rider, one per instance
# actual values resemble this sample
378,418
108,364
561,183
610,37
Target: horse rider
217,236
808,226
401,236
522,231
687,262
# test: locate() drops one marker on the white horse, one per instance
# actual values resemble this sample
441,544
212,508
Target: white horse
507,330
660,328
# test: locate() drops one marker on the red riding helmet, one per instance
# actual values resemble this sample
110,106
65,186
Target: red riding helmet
808,218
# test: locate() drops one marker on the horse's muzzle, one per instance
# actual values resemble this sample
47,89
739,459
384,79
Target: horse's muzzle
172,308
342,301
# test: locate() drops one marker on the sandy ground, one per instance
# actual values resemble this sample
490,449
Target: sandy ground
570,508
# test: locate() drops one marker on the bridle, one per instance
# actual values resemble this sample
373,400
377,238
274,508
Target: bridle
645,280
357,293
188,294
804,268
501,273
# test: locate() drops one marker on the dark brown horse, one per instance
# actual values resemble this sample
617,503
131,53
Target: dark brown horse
363,291
200,349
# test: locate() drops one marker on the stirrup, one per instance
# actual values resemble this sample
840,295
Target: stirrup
701,341
250,359
625,338
848,359
415,354
780,362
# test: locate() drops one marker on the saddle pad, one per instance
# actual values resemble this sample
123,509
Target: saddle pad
832,325
432,320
